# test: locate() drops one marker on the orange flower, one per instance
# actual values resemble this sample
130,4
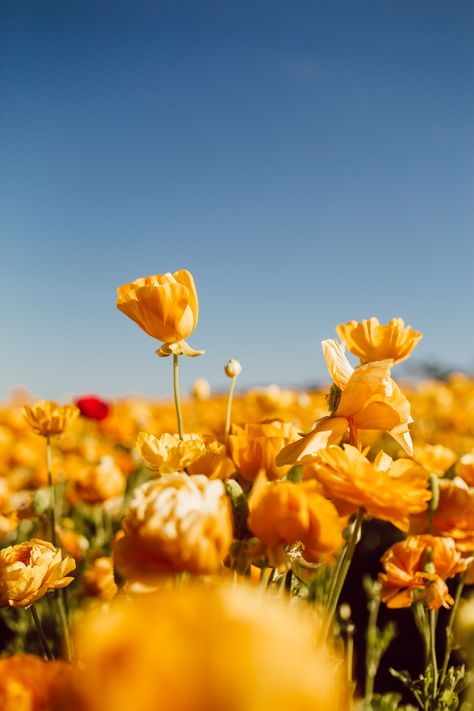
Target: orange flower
465,468
31,569
406,579
47,418
214,462
28,683
165,306
286,512
98,483
175,523
389,490
98,580
370,341
435,458
365,398
253,447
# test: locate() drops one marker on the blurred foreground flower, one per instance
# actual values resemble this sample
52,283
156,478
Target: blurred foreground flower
47,418
27,683
416,569
370,341
175,523
206,649
165,306
31,569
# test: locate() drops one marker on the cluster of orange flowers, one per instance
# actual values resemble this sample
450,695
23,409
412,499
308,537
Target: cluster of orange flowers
193,502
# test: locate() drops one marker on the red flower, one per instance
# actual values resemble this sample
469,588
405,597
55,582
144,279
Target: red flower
92,407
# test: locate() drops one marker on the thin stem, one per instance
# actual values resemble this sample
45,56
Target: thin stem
263,576
434,661
64,625
449,629
344,569
177,402
371,640
349,656
270,577
52,502
39,628
229,408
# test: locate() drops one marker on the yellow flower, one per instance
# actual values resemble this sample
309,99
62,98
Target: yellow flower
362,399
169,453
175,523
465,468
165,306
31,569
98,580
98,483
47,418
28,683
406,579
206,648
214,462
253,447
389,490
434,457
287,512
369,340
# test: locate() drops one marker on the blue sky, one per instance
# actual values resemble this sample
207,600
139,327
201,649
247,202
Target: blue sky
309,162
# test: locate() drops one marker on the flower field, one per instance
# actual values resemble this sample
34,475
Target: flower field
240,551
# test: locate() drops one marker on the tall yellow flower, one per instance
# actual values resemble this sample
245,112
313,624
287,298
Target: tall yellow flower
31,569
47,418
175,523
365,398
165,306
369,340
389,490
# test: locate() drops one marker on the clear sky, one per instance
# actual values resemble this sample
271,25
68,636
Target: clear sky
309,161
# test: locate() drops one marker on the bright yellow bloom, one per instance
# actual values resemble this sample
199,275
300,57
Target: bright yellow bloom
165,306
206,649
28,683
363,399
169,453
31,569
214,462
370,341
434,457
98,580
389,490
98,483
406,579
175,523
286,512
47,418
254,447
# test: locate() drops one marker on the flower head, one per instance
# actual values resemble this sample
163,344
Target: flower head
169,453
175,523
47,418
254,447
31,569
98,580
92,407
416,569
98,483
370,341
165,306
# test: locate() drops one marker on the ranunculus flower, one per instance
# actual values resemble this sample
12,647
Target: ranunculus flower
434,457
92,407
253,447
174,523
28,683
31,569
98,580
285,512
406,578
214,462
369,340
47,418
165,306
169,453
97,483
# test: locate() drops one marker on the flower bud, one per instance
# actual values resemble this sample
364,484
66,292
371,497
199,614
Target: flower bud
232,368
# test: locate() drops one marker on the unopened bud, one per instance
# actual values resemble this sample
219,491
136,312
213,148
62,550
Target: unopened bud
233,368
201,389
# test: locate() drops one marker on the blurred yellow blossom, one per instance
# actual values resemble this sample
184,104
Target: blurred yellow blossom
47,418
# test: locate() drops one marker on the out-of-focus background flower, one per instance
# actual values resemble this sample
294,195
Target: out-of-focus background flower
309,162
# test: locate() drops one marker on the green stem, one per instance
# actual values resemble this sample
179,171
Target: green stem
434,661
371,640
271,576
177,402
344,569
52,502
39,628
64,625
449,629
229,408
